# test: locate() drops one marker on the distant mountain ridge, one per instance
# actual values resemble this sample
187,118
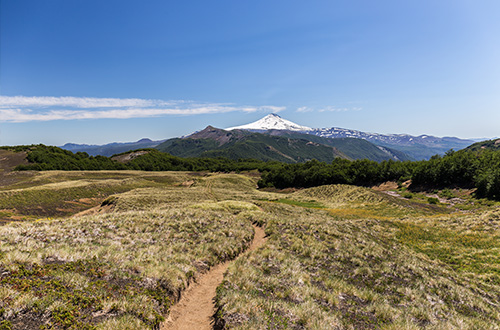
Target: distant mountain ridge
239,144
390,146
418,147
110,149
350,146
279,145
485,145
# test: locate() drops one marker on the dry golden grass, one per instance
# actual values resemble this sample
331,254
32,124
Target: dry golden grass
122,268
59,193
377,263
337,257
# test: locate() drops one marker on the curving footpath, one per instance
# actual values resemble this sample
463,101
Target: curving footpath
196,306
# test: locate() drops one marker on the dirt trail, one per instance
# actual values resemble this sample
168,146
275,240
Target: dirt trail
195,309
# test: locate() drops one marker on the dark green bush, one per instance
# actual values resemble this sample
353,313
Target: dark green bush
432,200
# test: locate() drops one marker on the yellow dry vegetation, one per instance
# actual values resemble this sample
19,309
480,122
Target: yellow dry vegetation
337,257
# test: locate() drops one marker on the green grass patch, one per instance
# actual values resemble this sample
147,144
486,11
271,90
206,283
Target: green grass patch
474,252
309,204
323,272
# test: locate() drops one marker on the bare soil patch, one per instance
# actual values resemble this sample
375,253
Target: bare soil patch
390,185
130,156
10,159
100,209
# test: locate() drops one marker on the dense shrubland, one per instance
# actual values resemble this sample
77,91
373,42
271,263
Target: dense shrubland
455,169
314,173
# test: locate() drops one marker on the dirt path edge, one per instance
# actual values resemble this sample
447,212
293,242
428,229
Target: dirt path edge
196,307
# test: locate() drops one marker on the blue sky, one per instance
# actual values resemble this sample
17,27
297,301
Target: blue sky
102,71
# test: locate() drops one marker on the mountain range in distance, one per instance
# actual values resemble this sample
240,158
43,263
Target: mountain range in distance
417,147
275,138
111,149
278,145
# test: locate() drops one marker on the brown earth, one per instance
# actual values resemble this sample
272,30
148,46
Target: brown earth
99,209
129,156
10,159
389,185
196,307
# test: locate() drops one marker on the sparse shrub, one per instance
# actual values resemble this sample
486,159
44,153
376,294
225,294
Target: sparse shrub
128,266
323,272
432,200
446,193
407,195
5,325
109,201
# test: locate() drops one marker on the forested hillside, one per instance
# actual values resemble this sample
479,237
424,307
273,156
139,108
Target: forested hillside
279,145
455,169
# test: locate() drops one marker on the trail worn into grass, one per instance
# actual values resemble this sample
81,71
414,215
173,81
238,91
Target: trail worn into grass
196,307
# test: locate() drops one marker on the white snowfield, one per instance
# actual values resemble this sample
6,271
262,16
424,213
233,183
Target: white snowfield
272,121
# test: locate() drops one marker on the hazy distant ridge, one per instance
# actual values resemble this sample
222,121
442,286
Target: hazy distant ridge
110,149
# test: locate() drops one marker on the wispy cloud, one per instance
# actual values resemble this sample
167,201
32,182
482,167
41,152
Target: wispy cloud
305,109
24,108
339,109
329,109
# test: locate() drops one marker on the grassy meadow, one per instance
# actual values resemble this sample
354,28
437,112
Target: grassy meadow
337,257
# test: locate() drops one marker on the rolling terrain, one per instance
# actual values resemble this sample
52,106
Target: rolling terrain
336,256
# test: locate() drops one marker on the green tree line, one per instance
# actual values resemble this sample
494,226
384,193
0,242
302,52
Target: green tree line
468,169
463,168
49,158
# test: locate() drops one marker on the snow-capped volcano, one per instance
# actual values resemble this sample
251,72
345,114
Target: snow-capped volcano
272,121
417,147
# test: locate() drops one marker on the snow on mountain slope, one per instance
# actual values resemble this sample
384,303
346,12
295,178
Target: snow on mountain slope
272,121
417,147
393,139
